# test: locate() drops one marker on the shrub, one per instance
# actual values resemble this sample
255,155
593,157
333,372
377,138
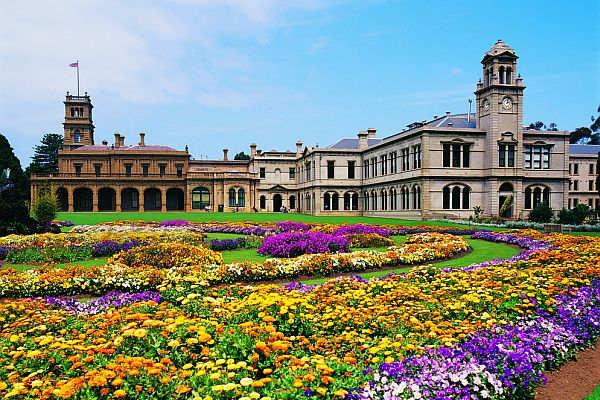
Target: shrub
542,213
167,255
368,240
576,216
45,208
293,244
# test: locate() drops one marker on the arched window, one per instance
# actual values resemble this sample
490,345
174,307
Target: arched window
354,201
392,199
456,198
262,202
465,199
419,197
508,75
506,187
546,196
414,197
537,197
335,202
373,200
501,75
200,198
446,198
346,201
528,198
327,202
77,136
366,200
241,195
232,197
277,175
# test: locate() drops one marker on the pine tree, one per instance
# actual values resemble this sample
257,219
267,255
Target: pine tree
45,158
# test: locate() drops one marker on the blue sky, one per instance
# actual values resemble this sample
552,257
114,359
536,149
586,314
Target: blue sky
214,74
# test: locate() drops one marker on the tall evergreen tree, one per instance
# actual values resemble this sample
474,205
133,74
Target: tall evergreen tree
241,156
13,209
45,158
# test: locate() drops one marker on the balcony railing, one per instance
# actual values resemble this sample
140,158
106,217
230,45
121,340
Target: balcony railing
93,175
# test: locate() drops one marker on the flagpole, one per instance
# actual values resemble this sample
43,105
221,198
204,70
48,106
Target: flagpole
77,78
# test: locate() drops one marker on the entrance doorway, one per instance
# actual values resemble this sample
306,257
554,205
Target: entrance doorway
277,203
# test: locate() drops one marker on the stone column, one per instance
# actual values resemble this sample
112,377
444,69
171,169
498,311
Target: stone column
95,199
70,199
163,199
117,199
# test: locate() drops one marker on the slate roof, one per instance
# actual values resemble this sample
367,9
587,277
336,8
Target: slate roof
352,143
101,148
584,149
453,121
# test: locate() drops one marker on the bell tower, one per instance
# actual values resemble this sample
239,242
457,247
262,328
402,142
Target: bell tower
499,100
78,125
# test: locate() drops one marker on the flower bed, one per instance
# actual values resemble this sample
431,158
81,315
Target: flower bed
101,304
167,255
427,333
362,240
165,265
293,244
76,246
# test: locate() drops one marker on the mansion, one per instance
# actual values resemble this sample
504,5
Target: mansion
435,168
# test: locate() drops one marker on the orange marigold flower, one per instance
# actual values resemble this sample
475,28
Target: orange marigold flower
119,394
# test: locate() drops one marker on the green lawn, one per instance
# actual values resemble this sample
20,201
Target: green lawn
95,218
595,395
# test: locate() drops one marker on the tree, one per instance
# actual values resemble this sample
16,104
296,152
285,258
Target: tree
538,126
552,127
14,214
45,207
45,158
241,156
596,122
542,213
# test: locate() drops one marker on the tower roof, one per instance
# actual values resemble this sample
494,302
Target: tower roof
499,48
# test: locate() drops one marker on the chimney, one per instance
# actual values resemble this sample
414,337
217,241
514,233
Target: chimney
253,150
225,151
371,132
362,140
117,140
122,141
105,143
142,137
298,148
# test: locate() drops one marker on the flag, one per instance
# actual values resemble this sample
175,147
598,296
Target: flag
74,65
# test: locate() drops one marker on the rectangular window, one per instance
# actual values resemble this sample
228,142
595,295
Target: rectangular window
546,157
456,155
501,155
351,165
570,169
262,173
292,173
374,166
415,157
127,169
162,168
511,155
528,152
591,203
446,156
179,170
575,202
575,169
366,169
466,155
537,157
418,155
97,168
576,185
77,169
569,206
591,169
330,169
591,186
145,169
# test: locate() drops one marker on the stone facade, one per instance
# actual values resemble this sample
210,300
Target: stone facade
442,167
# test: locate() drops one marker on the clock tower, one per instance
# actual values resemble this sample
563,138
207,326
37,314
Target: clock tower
499,100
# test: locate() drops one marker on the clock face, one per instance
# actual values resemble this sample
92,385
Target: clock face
485,105
507,103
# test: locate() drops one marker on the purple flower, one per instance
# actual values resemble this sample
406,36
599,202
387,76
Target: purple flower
101,304
293,244
175,222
